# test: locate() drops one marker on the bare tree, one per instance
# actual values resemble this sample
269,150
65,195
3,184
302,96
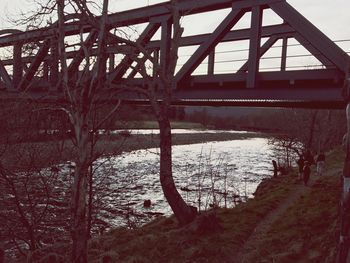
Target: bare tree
164,81
302,129
82,94
81,88
34,207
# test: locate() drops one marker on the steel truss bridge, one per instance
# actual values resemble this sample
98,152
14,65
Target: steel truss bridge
37,75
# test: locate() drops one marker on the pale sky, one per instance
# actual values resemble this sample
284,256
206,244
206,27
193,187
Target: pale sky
331,17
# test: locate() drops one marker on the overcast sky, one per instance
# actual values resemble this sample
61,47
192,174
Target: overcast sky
332,17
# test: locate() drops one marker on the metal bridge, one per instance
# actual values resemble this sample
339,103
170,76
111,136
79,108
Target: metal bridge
37,75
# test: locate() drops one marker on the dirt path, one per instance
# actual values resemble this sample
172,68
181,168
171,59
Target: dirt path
249,247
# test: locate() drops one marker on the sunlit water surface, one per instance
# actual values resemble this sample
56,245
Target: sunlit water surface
204,173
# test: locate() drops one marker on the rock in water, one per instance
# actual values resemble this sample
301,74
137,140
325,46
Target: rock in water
147,203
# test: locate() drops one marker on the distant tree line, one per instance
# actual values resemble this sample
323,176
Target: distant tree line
279,121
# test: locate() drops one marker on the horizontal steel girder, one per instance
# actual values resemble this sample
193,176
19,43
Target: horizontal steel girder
301,92
135,16
242,34
286,98
310,89
323,97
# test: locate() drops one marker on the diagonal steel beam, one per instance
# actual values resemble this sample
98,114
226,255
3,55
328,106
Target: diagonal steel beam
80,55
231,19
313,50
126,62
264,48
131,17
313,35
35,65
235,35
6,77
140,64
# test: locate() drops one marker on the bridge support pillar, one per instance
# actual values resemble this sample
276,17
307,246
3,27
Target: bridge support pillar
211,62
111,64
284,54
156,59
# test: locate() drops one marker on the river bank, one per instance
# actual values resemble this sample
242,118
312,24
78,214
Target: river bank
34,155
115,195
305,232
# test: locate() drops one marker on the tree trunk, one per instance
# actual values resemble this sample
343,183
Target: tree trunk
79,233
78,202
2,255
184,213
90,200
90,189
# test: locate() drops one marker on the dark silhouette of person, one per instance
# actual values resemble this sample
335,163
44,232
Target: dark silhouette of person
300,163
309,157
320,161
275,168
306,172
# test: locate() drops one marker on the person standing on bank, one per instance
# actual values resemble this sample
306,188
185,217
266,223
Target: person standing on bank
309,157
321,158
275,168
306,172
300,163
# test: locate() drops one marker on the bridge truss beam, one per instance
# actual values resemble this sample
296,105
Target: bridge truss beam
38,75
41,71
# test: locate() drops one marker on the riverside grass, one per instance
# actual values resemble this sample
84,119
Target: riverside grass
163,241
308,231
304,233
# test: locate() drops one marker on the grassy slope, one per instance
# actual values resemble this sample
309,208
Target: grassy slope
163,241
305,233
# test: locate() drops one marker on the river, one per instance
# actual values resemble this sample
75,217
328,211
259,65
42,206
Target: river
215,173
221,173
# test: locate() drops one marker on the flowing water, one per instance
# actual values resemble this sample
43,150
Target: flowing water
206,174
209,174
